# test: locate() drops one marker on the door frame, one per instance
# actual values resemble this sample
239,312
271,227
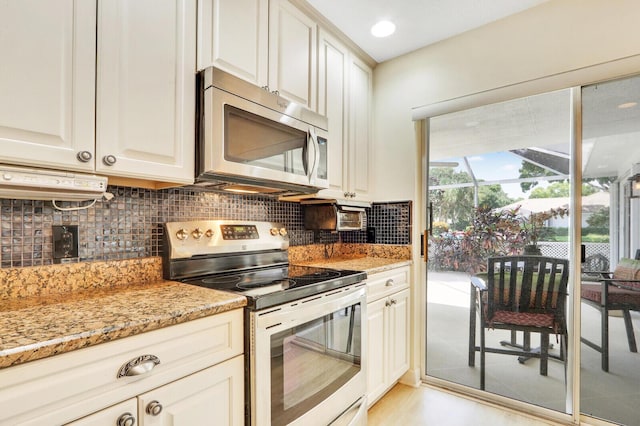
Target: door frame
573,80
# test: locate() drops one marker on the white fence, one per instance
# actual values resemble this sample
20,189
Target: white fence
561,250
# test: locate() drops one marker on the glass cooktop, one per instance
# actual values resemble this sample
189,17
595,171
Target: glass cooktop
268,287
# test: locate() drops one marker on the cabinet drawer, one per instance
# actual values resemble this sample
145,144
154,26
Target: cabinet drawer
65,387
384,283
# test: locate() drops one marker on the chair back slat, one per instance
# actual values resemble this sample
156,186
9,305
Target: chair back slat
536,284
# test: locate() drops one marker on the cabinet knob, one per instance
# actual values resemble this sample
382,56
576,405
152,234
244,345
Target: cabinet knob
109,160
390,282
84,156
126,419
154,408
394,301
387,303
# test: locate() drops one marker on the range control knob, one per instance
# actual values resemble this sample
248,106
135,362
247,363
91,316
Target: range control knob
283,231
273,231
208,233
182,234
197,233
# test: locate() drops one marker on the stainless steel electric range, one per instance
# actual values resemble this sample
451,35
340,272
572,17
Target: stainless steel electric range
304,326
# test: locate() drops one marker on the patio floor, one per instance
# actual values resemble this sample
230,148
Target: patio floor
614,395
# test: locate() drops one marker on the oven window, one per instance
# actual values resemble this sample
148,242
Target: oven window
258,141
313,360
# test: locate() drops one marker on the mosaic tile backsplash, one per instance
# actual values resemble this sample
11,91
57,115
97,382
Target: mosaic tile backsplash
129,226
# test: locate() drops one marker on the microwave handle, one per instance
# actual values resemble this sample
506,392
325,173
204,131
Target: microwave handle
313,140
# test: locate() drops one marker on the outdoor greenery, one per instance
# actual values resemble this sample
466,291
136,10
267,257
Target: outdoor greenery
491,233
560,189
455,205
600,218
464,236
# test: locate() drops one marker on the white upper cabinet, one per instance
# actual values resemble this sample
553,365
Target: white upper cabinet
360,89
333,71
269,43
292,53
146,89
233,36
47,80
344,96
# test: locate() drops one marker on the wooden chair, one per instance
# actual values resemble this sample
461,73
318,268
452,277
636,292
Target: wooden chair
523,293
607,291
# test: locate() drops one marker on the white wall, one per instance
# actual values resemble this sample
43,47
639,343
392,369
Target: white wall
555,37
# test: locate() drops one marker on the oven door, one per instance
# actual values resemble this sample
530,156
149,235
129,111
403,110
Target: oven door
306,358
243,138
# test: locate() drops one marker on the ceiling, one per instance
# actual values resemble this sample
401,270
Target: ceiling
418,22
610,134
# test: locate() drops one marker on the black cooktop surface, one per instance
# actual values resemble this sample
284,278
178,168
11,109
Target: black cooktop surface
271,286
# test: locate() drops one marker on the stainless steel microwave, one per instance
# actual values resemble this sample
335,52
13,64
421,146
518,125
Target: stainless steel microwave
253,140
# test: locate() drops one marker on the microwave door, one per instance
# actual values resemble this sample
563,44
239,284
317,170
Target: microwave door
252,141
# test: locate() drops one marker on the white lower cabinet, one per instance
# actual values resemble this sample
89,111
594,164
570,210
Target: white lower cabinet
388,330
214,395
122,414
188,374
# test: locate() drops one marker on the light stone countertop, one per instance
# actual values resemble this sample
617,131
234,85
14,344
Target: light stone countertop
38,327
370,265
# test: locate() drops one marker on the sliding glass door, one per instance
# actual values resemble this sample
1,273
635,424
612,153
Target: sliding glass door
501,181
610,363
498,184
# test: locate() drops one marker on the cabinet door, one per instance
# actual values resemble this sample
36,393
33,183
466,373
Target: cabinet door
360,87
47,80
211,396
398,334
233,36
333,70
376,350
146,89
123,413
292,53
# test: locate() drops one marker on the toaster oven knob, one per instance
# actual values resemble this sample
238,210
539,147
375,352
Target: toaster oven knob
208,233
197,233
182,234
273,231
283,231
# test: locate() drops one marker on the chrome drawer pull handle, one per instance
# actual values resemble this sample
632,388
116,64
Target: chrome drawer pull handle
137,366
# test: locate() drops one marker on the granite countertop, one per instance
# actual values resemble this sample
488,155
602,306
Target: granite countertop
368,264
37,327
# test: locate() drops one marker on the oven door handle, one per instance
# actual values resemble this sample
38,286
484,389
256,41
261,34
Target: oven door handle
354,415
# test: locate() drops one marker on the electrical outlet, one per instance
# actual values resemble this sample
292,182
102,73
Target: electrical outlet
65,243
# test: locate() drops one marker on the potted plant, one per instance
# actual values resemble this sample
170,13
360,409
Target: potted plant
534,228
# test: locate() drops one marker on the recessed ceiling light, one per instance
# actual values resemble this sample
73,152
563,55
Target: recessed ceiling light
383,29
627,105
